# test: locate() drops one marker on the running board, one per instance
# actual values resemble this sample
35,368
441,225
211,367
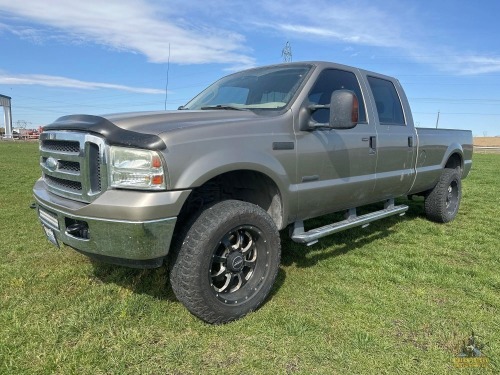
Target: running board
352,220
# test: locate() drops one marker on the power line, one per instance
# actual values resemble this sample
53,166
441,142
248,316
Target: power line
457,113
456,100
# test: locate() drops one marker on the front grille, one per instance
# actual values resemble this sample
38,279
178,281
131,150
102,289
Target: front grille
70,166
73,164
63,184
61,146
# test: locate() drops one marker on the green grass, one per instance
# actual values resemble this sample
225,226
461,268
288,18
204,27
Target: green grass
396,297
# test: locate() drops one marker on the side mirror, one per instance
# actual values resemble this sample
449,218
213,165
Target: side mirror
344,109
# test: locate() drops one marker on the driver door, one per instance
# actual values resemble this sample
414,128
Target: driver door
336,168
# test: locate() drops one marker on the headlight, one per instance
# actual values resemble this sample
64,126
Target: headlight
136,169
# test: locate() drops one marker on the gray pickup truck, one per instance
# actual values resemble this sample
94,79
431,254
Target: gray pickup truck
208,187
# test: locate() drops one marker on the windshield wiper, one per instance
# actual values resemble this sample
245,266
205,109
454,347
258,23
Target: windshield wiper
225,107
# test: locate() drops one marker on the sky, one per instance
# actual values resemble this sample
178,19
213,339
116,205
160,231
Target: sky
60,57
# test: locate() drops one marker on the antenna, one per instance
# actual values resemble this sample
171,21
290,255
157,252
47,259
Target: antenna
286,53
437,120
168,69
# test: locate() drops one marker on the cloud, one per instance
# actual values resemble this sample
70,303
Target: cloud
26,33
351,22
216,31
56,81
138,26
394,26
468,64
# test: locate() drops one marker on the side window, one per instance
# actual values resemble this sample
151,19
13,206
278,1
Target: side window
387,101
329,81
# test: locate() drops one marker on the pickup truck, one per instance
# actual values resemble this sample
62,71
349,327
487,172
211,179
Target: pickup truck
207,188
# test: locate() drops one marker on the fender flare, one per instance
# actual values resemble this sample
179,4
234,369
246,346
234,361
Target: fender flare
454,148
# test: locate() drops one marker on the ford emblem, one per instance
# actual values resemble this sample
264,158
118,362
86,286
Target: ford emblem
51,164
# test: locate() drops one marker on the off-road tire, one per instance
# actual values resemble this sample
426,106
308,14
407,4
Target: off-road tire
231,240
442,202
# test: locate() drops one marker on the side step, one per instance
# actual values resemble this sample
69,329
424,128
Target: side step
352,220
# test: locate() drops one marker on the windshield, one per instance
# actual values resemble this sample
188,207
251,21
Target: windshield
263,88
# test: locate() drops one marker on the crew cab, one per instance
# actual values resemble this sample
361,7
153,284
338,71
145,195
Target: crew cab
207,188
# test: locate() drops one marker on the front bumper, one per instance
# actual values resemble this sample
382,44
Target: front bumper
137,242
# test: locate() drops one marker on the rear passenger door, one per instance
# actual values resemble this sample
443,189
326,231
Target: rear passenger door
396,141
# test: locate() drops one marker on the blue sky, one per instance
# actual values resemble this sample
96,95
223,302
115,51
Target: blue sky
60,57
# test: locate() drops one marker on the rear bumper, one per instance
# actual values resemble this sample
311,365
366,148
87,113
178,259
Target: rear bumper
142,243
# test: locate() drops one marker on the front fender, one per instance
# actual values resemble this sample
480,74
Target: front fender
215,163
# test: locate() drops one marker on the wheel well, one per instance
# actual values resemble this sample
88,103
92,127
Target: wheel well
454,161
249,186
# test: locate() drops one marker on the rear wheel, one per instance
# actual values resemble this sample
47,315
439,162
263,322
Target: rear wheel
227,262
443,201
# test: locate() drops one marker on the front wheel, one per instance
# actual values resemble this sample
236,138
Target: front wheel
442,203
227,263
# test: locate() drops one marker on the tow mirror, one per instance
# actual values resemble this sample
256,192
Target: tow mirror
344,109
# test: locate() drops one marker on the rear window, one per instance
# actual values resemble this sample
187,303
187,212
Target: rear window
387,101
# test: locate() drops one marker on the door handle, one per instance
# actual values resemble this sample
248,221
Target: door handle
373,144
410,141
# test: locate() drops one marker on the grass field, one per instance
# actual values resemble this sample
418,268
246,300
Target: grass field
398,297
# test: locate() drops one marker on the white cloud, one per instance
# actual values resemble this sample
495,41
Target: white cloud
447,59
136,26
397,27
352,22
202,32
56,81
474,64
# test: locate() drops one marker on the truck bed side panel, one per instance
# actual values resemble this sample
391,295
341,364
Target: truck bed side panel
434,150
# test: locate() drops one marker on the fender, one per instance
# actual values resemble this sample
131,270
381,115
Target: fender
454,148
218,162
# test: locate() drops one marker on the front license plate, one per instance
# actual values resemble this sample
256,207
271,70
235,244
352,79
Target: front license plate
50,235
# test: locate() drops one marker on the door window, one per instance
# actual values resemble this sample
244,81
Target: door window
387,101
329,81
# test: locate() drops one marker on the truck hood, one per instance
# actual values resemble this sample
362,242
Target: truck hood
142,129
161,122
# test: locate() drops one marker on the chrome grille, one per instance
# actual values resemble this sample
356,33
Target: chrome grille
63,184
73,164
60,146
70,166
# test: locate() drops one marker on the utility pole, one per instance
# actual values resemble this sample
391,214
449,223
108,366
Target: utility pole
22,124
286,53
437,120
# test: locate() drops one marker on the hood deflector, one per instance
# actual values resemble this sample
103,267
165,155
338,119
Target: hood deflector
114,134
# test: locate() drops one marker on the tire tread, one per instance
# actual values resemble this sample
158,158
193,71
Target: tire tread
190,248
435,201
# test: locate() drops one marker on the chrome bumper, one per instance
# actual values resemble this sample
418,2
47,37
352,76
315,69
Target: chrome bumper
141,244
